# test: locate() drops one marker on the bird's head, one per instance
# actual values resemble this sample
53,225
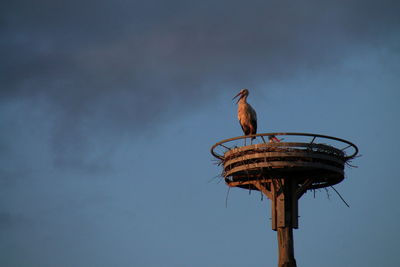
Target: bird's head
242,93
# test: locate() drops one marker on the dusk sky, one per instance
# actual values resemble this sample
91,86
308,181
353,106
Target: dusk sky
108,111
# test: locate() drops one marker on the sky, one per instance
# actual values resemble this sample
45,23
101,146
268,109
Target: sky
108,111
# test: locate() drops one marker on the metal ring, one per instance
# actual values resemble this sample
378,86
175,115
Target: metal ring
221,143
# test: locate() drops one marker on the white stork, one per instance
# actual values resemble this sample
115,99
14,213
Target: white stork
248,117
246,114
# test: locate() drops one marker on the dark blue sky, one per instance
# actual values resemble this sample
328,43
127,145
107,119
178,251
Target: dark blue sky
108,110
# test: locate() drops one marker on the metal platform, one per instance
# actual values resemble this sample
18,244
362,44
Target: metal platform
320,163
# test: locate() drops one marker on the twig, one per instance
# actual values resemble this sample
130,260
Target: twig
327,193
341,197
227,195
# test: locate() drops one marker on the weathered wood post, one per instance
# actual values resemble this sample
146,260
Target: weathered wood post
285,205
283,171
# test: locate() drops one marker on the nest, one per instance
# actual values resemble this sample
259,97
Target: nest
322,163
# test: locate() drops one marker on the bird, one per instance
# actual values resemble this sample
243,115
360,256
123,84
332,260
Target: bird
248,117
246,114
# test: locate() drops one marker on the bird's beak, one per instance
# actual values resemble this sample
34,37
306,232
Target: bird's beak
239,94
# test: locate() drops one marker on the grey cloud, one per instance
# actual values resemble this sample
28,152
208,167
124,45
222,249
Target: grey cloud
120,64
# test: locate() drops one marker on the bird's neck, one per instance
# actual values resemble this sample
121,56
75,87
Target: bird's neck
243,99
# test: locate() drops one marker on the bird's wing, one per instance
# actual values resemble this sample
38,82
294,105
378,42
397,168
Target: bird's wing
253,118
246,130
253,112
254,123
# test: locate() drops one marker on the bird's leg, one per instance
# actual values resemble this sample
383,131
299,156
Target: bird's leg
245,141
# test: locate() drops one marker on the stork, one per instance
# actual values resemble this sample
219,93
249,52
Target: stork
246,114
248,117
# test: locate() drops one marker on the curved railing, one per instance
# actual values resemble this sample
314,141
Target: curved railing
219,149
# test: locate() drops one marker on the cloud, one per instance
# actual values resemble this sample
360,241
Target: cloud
78,52
121,64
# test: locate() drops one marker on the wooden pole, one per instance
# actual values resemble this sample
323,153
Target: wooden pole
286,249
285,208
284,194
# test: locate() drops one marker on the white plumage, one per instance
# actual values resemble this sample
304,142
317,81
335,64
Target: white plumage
246,114
248,117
